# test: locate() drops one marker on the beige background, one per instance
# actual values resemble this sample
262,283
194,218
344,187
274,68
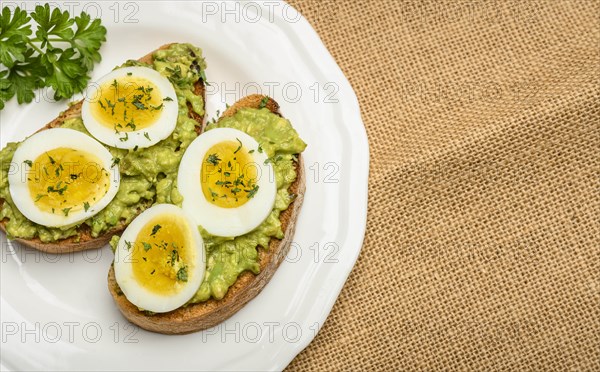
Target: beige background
483,235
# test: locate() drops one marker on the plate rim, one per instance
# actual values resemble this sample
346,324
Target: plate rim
362,146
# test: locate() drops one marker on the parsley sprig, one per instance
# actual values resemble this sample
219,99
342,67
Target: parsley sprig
59,55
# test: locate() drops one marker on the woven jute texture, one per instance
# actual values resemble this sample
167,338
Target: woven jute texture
483,237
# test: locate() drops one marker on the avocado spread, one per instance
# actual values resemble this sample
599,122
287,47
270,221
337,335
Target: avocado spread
147,175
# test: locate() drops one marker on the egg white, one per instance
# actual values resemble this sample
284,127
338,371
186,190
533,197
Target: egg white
161,129
225,222
45,141
123,264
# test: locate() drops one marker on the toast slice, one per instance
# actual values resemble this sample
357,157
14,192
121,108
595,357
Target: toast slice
86,241
197,317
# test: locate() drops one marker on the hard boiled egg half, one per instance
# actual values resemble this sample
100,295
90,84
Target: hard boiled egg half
160,260
62,177
131,107
227,182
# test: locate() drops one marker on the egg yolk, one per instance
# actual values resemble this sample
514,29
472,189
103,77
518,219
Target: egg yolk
65,180
162,253
228,175
127,104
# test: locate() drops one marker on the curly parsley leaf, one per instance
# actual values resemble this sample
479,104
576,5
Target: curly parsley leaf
67,74
14,33
34,62
52,23
21,84
21,80
88,38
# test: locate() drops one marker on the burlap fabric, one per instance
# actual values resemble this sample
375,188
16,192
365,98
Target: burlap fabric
483,237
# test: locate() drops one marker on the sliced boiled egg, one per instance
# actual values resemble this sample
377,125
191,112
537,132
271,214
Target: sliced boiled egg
131,107
160,260
227,182
64,177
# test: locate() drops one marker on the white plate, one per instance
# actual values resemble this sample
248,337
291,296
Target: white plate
56,312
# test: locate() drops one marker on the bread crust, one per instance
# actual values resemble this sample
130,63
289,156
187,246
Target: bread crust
197,317
86,240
